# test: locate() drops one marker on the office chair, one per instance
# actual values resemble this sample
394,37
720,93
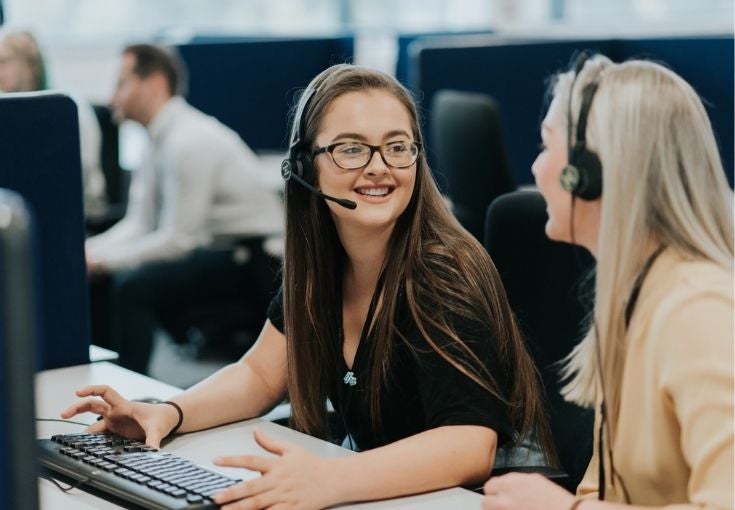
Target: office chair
117,180
551,296
467,138
223,329
227,326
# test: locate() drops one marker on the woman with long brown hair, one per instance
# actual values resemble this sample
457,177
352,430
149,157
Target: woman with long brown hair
388,308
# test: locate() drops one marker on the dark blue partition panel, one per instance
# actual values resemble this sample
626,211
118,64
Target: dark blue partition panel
250,84
403,58
39,159
344,42
514,74
707,64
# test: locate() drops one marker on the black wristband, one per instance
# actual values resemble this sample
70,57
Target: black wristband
181,417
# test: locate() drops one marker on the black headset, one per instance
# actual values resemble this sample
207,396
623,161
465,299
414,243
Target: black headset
299,163
582,176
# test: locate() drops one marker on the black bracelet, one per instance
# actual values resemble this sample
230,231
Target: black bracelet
181,417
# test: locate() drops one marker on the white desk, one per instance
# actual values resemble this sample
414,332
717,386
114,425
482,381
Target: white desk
55,391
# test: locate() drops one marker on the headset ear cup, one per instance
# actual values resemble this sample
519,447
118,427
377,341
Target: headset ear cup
590,175
569,178
582,177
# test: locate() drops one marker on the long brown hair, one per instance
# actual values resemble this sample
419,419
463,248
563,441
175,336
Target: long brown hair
430,260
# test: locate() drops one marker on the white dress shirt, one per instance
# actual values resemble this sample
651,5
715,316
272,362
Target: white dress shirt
198,182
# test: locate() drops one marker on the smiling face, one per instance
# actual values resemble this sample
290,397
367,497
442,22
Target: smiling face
382,193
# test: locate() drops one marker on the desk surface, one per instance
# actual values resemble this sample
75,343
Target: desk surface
55,391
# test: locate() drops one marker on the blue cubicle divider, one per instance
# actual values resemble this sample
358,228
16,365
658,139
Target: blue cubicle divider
39,159
403,58
707,64
515,73
250,83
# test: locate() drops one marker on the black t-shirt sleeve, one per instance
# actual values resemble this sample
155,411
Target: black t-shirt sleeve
448,396
275,310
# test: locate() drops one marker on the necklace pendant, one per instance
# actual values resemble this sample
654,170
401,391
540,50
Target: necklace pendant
349,379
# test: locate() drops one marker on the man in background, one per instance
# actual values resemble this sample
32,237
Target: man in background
198,214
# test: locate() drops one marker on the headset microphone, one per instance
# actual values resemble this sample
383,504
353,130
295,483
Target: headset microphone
298,165
287,173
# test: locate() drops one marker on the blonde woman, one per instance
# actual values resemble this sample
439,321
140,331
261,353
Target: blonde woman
630,170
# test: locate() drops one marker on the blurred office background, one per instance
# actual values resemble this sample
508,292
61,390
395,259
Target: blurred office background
82,39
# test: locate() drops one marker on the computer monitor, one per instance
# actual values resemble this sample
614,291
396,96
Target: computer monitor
18,471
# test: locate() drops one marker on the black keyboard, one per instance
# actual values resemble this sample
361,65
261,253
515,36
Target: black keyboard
133,471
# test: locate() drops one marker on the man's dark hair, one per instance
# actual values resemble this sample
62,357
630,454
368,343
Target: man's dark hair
151,59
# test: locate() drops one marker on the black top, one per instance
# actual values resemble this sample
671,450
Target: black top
423,390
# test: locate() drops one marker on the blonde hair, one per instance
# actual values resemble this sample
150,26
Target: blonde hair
25,48
662,180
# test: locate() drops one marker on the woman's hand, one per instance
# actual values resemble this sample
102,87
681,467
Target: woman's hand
134,420
293,479
525,492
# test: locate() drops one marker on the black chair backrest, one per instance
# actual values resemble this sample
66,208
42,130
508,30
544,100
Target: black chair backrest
115,182
543,280
468,143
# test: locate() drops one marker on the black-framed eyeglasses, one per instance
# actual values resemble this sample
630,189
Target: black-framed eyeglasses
356,155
